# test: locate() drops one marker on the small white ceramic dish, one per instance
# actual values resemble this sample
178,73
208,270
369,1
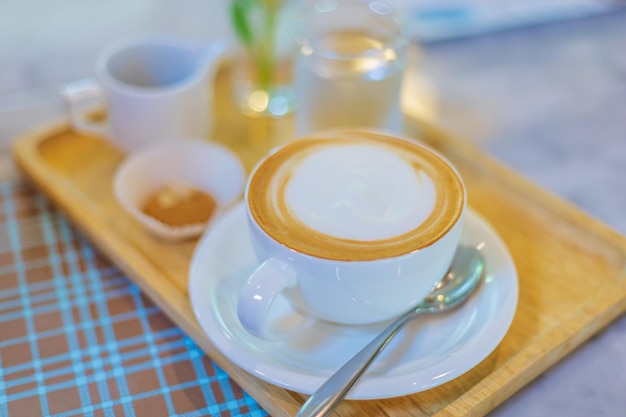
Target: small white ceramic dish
426,353
206,166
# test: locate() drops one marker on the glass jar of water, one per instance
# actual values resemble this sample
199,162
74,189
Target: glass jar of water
349,69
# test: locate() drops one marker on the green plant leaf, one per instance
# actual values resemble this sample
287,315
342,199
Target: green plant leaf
239,12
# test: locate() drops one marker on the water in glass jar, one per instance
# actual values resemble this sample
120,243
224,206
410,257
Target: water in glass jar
348,79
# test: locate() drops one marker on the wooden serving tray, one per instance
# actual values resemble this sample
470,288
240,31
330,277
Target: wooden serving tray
571,267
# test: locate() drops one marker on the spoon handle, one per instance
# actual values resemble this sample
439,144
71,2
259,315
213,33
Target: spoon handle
332,392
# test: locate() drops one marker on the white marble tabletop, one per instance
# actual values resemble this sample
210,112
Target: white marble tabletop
549,101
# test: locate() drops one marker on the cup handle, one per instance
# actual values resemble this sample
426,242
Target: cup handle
81,97
259,293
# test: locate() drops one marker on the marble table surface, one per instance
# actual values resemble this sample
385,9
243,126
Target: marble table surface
548,101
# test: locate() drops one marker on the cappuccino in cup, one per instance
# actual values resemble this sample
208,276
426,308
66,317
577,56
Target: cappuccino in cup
353,227
355,197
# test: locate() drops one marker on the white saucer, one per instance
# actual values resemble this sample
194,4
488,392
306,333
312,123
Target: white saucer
428,352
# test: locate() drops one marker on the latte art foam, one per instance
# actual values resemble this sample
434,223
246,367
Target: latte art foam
358,192
355,196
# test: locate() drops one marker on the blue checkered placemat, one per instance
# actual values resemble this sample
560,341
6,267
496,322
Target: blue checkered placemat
77,338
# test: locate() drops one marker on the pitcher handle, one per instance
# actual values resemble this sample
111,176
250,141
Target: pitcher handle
80,98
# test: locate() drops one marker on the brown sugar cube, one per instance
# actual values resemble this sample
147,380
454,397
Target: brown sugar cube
179,205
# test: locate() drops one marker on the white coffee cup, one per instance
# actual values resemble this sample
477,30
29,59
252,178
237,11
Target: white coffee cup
155,88
352,227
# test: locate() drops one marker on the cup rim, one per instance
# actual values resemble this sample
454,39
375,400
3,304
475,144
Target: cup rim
329,133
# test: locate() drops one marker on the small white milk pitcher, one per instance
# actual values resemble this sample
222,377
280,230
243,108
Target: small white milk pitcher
155,88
